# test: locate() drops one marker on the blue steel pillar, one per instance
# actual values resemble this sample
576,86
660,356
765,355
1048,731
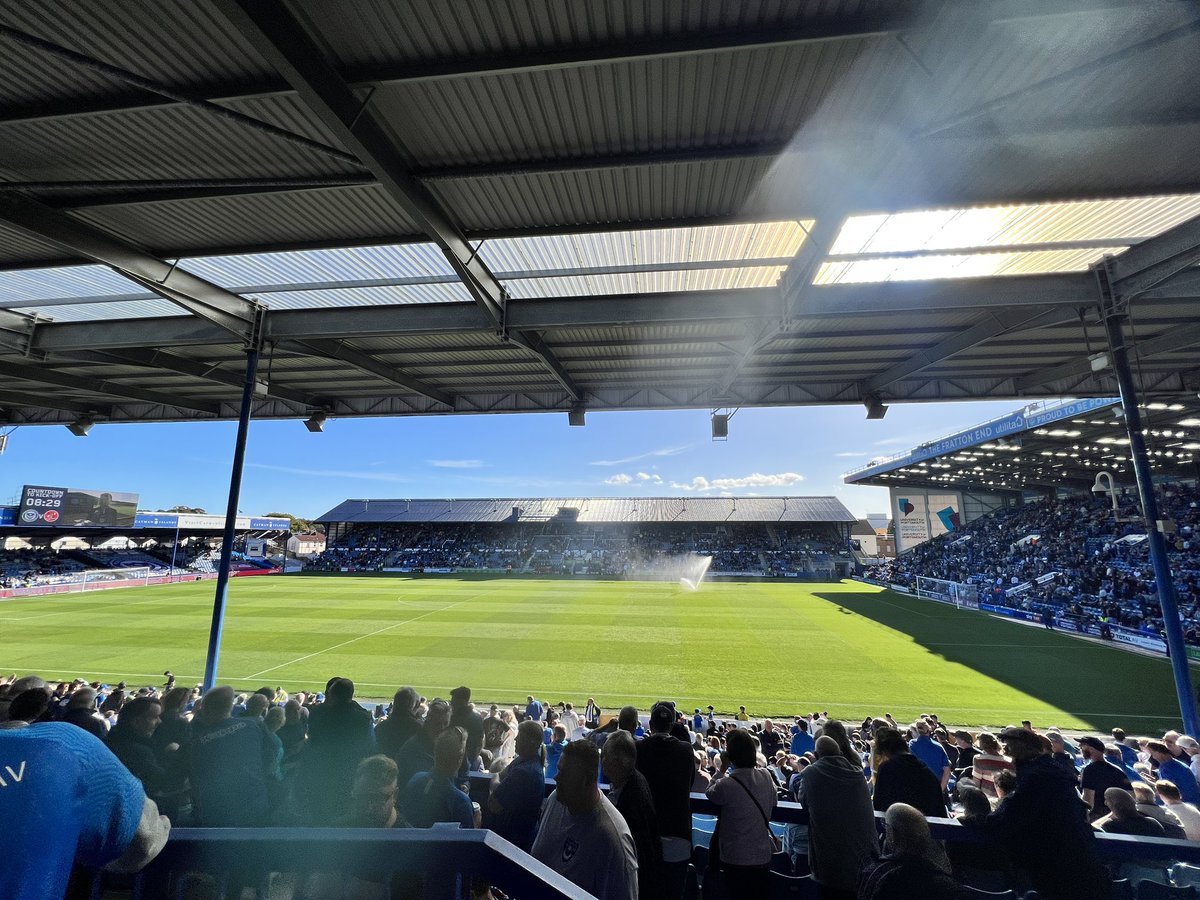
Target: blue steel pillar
231,511
1114,327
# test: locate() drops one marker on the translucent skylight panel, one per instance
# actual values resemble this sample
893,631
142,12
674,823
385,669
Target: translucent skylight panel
1122,221
97,312
65,281
308,266
646,282
963,265
758,240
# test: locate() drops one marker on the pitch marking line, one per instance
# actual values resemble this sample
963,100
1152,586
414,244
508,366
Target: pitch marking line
363,636
905,609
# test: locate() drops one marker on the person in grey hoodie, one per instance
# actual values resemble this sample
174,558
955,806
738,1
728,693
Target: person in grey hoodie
841,822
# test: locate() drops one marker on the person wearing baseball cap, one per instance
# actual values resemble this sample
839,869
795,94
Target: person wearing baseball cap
1098,775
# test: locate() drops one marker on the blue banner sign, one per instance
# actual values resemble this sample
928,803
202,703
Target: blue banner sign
1003,427
183,521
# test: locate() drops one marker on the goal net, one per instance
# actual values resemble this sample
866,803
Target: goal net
86,580
954,593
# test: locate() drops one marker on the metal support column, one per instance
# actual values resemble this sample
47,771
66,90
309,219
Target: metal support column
1114,327
231,510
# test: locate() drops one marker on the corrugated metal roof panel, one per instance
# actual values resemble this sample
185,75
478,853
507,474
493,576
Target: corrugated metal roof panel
373,296
65,281
595,510
305,266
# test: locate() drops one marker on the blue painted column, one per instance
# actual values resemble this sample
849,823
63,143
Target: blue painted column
1114,327
231,512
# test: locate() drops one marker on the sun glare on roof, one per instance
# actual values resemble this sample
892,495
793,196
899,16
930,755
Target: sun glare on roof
997,240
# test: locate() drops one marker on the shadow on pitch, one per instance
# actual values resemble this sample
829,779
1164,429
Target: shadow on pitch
1079,677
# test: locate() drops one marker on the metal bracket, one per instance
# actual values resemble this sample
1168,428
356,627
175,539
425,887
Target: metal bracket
1110,303
258,329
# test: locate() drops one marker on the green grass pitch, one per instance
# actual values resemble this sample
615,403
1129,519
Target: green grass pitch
778,648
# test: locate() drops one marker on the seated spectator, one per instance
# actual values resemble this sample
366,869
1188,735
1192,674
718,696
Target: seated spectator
132,742
1124,818
985,865
1171,769
967,752
434,796
373,794
1145,796
16,687
27,708
841,824
231,765
69,802
581,835
802,741
987,762
631,795
1059,754
1097,776
746,796
1187,813
293,732
518,792
1006,783
902,778
81,711
913,864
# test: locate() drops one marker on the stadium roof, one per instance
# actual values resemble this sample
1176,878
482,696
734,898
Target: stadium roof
1059,444
594,510
462,207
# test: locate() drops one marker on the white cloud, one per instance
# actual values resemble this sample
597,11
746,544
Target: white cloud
330,473
852,453
891,441
757,479
647,476
663,451
620,478
456,463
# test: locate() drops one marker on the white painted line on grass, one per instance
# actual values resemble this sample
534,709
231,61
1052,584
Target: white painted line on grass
363,637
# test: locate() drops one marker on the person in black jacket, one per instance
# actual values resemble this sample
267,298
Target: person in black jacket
1044,825
339,738
631,796
902,778
669,767
132,742
401,723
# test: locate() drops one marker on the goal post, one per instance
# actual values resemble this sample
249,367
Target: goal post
99,579
954,593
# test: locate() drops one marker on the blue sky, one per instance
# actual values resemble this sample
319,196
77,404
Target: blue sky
799,451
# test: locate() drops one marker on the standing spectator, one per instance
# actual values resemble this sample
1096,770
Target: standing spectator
802,740
132,742
1059,754
631,796
73,803
967,752
669,768
770,740
81,711
533,709
231,764
987,762
582,836
554,750
293,731
1171,769
746,796
434,796
1044,825
913,864
570,721
339,738
417,753
401,723
463,715
1098,775
174,727
841,824
1187,813
115,700
518,792
930,752
591,715
902,778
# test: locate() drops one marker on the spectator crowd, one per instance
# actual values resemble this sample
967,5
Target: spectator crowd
103,771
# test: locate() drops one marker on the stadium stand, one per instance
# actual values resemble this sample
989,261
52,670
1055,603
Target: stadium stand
805,537
1069,558
247,764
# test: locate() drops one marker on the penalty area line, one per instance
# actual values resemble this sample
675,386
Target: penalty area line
362,637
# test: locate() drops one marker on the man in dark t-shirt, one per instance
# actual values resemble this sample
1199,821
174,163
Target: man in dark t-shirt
1098,776
518,792
1125,818
464,716
231,764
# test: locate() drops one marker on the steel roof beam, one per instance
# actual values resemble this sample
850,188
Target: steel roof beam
12,399
334,349
203,298
47,375
1156,261
1168,342
992,325
288,44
